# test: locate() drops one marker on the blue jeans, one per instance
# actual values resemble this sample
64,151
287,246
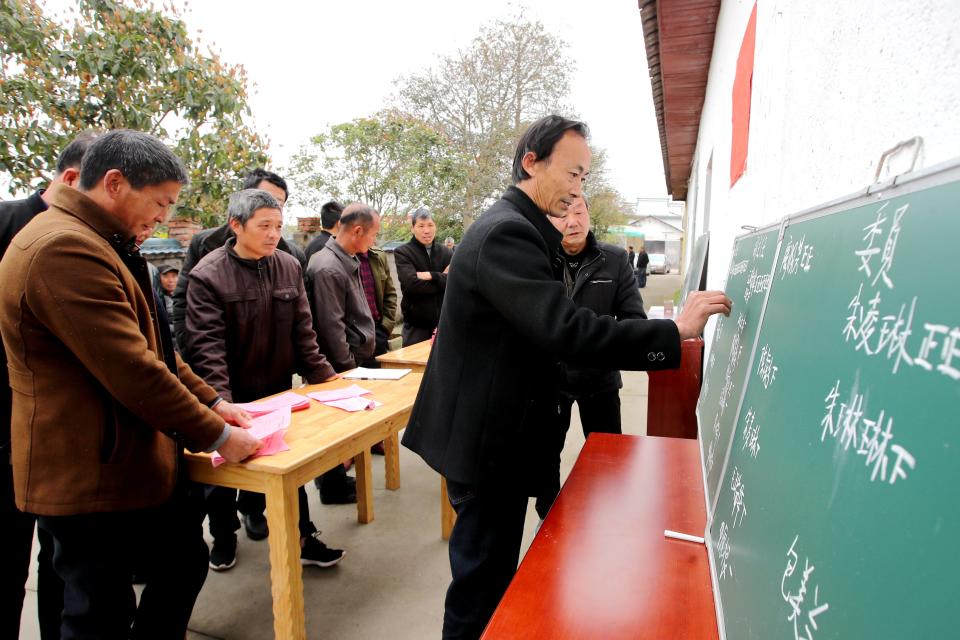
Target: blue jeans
484,552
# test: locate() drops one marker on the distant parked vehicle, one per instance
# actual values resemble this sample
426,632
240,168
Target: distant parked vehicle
658,264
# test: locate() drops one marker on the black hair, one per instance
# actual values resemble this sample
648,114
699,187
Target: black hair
330,214
72,155
141,158
541,137
258,175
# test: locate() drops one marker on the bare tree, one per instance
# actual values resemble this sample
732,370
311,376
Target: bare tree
482,98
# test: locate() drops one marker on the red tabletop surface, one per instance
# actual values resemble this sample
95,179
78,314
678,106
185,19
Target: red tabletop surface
600,567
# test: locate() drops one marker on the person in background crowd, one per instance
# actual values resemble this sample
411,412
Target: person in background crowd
631,257
249,346
490,395
596,276
641,268
422,267
16,533
98,459
168,284
330,214
223,502
450,243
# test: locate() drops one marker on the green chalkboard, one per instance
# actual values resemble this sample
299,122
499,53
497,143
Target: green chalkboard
730,349
838,514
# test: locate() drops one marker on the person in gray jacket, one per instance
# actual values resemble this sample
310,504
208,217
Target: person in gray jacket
341,313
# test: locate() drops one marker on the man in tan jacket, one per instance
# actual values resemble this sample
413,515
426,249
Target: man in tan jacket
102,405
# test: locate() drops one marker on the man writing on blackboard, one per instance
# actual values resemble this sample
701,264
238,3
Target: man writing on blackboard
490,391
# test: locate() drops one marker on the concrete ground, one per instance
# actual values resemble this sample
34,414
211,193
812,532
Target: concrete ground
392,581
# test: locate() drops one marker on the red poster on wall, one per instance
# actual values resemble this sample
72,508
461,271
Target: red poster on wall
742,85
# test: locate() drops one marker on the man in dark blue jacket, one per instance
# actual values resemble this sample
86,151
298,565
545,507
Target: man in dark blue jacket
597,276
490,393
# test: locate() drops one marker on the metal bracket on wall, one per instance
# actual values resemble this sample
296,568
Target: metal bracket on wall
915,142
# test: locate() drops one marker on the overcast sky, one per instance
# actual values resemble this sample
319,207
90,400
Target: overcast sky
313,64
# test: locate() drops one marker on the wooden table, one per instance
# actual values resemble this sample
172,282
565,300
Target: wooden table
320,438
415,357
600,566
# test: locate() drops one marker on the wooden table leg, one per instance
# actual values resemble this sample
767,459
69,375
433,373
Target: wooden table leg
364,487
286,574
447,515
391,460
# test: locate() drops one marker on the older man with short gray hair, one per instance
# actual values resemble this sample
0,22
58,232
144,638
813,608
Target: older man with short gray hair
248,330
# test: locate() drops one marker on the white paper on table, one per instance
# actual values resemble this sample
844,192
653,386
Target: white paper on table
354,404
338,394
362,373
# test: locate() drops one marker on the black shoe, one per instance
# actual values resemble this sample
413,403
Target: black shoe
318,554
224,554
255,525
344,492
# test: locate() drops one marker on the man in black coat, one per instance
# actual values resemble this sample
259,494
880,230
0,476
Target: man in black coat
642,261
17,527
330,214
422,266
597,276
489,397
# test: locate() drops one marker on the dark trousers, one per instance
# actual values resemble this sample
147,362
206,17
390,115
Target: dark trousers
484,552
382,345
222,504
599,413
16,536
641,275
96,555
413,335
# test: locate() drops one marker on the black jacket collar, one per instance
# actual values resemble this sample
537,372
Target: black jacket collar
230,247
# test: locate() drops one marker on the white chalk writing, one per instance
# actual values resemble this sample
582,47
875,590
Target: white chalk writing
739,267
870,437
796,257
751,433
766,369
797,601
723,552
739,506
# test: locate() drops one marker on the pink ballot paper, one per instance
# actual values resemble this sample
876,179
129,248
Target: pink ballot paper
269,428
294,401
338,394
354,404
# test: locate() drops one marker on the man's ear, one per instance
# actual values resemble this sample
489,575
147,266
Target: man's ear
234,224
70,176
529,163
113,182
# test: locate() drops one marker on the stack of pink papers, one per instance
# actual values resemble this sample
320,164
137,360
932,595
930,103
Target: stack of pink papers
349,398
269,428
291,400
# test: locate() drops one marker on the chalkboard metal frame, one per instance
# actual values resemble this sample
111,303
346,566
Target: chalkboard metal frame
900,185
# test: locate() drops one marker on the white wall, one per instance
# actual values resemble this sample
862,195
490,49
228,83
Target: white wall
835,84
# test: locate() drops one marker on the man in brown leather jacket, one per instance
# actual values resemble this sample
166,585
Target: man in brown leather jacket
102,405
248,330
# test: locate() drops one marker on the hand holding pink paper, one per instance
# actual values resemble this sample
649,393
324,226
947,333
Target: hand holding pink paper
269,428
